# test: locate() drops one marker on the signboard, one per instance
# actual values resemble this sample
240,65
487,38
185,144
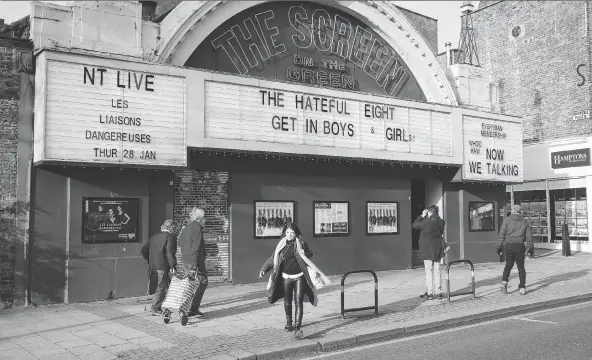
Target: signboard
492,150
331,218
271,217
248,113
307,43
109,220
570,158
582,115
113,116
382,218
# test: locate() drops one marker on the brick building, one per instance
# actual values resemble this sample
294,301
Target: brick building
538,54
191,104
16,104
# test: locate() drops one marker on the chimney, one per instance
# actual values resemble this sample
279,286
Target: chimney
448,54
148,10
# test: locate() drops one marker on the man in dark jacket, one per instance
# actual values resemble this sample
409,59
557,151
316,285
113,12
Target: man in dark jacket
430,249
515,231
160,252
193,254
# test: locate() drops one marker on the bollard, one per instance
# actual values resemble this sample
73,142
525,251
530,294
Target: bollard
472,278
565,244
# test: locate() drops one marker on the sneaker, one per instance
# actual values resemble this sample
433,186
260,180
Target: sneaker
504,288
157,312
427,296
440,296
522,291
298,334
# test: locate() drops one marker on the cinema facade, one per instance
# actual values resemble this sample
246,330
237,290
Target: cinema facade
335,115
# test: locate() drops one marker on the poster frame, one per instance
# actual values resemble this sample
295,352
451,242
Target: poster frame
493,222
397,232
332,202
294,216
137,221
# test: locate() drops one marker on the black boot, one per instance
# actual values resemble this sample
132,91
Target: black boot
289,326
298,333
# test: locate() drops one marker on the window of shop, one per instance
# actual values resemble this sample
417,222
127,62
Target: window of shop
569,206
534,209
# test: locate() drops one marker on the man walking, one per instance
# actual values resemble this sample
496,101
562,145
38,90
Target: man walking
193,254
430,249
160,252
514,232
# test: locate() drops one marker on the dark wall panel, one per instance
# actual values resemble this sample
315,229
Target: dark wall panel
334,255
48,246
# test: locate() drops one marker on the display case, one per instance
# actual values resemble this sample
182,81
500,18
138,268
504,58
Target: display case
569,207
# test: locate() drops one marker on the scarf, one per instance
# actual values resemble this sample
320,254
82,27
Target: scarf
316,276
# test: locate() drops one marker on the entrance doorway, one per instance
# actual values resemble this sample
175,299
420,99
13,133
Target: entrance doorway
418,199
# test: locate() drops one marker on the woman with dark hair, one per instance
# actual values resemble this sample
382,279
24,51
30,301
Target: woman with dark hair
293,276
122,217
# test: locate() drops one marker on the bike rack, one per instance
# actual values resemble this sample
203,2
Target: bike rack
472,278
375,307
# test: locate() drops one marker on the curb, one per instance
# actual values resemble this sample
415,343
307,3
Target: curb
384,332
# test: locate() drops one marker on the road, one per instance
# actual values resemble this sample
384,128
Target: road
562,333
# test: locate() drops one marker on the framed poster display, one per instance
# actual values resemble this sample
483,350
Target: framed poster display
271,217
330,218
106,220
481,216
382,217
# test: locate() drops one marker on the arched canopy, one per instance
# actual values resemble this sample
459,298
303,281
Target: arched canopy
191,22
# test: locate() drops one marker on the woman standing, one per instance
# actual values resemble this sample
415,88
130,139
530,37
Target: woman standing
293,276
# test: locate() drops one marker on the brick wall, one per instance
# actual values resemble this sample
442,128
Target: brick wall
207,190
536,72
13,54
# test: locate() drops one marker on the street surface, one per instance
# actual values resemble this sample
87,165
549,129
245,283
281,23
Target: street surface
562,333
239,320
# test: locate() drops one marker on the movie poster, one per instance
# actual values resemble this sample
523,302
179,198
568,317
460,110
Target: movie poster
381,218
271,217
109,220
331,218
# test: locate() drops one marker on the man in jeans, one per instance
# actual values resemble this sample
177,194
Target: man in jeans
160,252
193,254
515,231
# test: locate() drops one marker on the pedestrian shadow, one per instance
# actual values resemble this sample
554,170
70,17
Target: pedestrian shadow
546,282
239,309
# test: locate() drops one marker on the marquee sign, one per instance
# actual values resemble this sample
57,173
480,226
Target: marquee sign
307,43
492,150
248,113
111,116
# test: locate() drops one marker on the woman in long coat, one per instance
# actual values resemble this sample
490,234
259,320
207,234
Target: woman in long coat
431,250
290,278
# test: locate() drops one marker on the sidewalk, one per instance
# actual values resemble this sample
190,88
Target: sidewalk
241,324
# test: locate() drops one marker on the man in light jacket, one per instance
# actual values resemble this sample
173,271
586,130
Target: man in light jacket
515,231
160,252
193,254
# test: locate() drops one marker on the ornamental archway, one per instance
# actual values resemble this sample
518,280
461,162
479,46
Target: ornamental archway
195,25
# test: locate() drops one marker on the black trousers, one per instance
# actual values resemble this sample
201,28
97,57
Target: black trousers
294,291
515,253
161,289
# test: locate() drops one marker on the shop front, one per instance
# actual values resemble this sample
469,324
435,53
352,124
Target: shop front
349,139
555,191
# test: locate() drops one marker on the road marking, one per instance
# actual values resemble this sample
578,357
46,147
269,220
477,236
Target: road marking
534,320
